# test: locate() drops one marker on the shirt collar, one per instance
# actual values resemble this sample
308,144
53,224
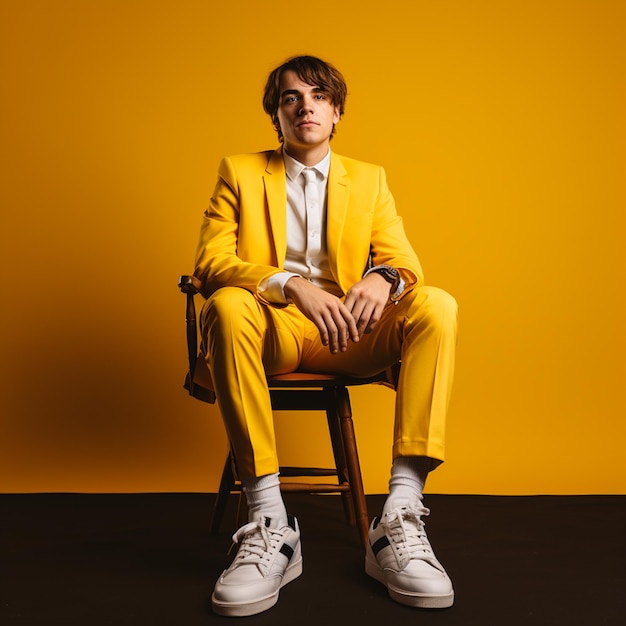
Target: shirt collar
294,168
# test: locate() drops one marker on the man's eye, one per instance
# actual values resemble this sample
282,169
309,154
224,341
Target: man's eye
320,96
289,99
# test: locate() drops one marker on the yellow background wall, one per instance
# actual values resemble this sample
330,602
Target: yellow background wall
501,126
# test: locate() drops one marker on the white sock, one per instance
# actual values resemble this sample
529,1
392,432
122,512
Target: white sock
264,499
406,485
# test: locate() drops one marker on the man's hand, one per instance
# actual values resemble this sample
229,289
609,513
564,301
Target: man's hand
333,319
366,301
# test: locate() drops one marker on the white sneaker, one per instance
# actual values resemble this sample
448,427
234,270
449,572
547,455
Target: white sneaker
400,557
267,559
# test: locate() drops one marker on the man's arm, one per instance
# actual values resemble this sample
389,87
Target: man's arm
389,242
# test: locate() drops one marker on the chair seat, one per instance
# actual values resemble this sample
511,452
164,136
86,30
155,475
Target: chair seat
309,379
203,386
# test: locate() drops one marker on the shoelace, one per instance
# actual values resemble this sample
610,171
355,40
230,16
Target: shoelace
256,542
407,533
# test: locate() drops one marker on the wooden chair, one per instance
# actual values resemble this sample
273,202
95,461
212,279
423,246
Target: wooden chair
297,391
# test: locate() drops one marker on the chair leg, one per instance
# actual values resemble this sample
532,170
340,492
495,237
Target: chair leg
336,440
352,458
227,483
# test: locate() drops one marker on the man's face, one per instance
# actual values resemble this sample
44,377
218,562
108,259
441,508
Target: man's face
306,115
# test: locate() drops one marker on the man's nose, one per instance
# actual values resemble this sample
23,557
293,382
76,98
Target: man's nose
307,104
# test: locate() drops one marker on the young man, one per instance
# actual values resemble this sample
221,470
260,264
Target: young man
282,261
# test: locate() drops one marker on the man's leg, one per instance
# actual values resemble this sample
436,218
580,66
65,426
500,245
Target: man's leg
420,331
398,553
242,338
233,327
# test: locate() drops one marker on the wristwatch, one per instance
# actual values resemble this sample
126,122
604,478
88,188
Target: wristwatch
392,276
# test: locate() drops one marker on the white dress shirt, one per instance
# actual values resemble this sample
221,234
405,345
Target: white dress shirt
306,255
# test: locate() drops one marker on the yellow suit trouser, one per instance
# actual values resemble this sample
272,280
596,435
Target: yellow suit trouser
245,340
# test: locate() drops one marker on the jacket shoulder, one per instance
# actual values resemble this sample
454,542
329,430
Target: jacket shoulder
252,160
360,172
258,159
355,166
235,167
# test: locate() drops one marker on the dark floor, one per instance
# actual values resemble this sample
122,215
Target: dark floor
134,560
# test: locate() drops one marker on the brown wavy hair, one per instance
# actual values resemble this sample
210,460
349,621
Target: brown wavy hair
312,71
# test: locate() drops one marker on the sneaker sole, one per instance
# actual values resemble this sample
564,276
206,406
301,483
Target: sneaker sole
420,601
258,606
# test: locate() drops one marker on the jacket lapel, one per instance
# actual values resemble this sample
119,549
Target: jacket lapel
276,198
338,197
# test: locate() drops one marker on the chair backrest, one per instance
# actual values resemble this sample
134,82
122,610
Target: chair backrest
198,379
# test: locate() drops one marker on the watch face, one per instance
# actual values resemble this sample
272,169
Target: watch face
394,274
389,273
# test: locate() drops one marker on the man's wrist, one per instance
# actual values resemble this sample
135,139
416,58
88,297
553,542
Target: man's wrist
289,286
392,276
273,287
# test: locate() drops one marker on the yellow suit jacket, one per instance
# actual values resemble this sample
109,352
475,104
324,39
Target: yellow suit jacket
243,238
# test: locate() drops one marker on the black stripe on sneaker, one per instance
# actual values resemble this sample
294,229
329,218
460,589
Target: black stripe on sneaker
287,551
291,520
381,544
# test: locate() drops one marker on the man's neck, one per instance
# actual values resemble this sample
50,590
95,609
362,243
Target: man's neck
308,157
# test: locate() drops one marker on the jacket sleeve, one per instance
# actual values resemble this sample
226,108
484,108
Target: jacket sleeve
218,263
389,242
